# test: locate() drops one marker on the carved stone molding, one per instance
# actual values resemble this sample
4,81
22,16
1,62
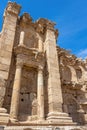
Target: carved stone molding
2,91
39,28
13,8
19,63
29,57
42,25
72,85
40,68
26,19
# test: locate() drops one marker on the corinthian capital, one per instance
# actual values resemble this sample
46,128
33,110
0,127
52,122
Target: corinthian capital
13,8
40,68
19,62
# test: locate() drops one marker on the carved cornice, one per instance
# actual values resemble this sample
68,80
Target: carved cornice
13,8
28,51
42,25
66,59
41,68
72,84
19,62
26,19
39,28
83,102
29,55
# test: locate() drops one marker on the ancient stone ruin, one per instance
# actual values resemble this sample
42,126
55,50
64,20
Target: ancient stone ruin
42,86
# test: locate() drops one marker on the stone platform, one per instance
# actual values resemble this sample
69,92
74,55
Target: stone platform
44,128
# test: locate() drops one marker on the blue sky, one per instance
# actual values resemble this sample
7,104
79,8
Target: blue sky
69,15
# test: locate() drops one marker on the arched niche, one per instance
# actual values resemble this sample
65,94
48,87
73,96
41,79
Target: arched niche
73,74
79,73
72,107
66,74
29,39
84,73
28,94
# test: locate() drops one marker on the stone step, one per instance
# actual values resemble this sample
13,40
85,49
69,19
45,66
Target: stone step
26,128
43,128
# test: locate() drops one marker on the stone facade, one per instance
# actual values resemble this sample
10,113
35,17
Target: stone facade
41,84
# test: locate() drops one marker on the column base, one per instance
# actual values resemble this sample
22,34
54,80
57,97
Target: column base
12,120
85,118
41,120
4,117
59,118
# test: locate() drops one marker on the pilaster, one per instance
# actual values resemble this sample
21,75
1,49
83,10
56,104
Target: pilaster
55,100
7,40
54,84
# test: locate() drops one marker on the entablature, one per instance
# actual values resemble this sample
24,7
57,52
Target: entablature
29,56
12,8
72,70
72,84
67,59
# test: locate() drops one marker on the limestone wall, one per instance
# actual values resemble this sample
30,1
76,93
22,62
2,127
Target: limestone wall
6,43
39,80
74,85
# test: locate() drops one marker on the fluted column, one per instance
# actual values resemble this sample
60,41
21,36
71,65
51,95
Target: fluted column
16,92
40,94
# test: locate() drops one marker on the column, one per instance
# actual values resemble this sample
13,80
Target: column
16,93
73,74
21,42
40,45
40,42
55,100
40,94
6,49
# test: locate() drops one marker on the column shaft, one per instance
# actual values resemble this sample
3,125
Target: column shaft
16,93
54,84
40,95
21,42
40,45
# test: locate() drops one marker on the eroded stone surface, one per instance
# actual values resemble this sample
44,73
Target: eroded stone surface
40,83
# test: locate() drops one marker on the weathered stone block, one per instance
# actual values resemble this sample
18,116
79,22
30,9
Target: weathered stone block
4,75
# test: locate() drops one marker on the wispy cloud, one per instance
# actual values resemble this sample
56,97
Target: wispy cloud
82,53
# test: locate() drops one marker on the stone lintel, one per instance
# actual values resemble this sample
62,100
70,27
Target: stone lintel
29,54
25,50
